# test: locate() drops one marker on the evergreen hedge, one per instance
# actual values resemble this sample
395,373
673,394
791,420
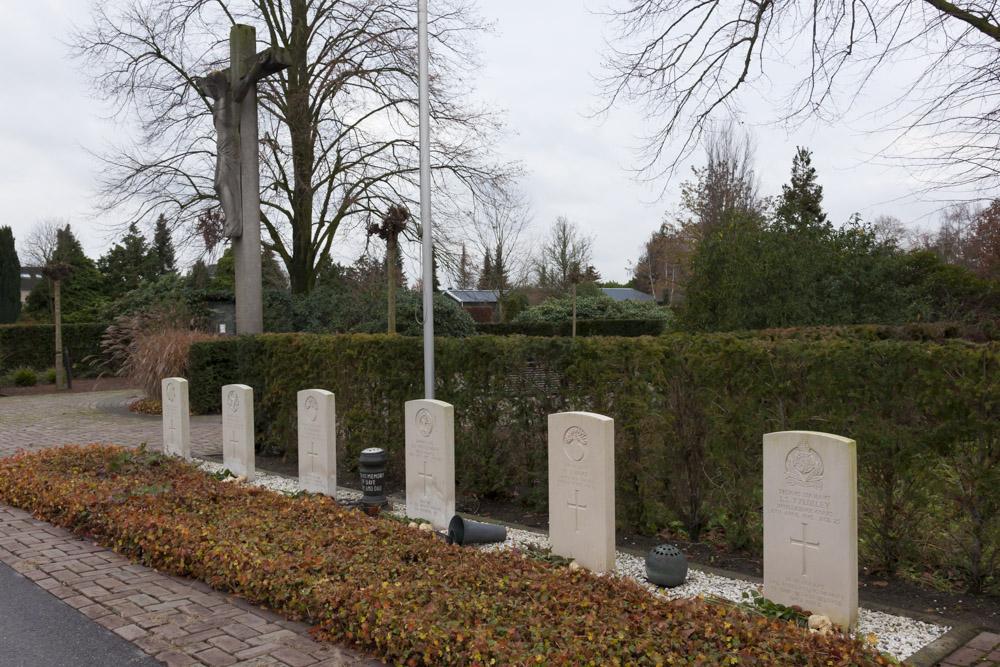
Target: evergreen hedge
689,412
34,345
627,328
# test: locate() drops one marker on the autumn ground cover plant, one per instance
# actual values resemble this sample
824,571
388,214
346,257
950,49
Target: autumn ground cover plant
380,586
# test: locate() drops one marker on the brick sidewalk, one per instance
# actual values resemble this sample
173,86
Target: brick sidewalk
178,621
983,651
47,420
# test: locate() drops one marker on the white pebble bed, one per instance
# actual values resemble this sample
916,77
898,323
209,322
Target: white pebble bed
897,635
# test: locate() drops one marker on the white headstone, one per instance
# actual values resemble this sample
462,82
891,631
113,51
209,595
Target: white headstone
811,524
176,417
237,430
317,442
582,488
430,462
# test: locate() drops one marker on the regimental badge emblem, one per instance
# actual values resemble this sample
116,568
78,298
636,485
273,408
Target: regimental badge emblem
312,408
233,400
424,421
171,392
575,443
804,466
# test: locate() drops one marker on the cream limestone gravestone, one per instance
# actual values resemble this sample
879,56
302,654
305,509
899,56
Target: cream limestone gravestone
176,417
582,488
317,442
237,430
810,523
430,461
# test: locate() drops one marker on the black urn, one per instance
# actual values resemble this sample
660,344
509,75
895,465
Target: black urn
666,566
373,463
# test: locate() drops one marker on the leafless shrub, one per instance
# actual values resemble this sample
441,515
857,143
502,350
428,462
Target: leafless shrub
148,347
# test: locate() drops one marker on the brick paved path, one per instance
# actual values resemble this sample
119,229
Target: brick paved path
179,621
36,422
983,651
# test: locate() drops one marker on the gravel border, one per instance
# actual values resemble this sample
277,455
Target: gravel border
899,636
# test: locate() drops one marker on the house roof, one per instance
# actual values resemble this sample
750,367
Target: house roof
626,293
30,276
472,296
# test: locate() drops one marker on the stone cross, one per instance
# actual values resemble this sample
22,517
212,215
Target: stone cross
237,170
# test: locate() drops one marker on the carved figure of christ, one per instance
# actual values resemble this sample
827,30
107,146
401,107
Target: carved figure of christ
237,179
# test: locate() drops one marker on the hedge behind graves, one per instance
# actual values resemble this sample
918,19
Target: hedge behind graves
689,412
34,345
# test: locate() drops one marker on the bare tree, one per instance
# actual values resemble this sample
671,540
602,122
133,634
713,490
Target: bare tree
566,248
687,62
40,243
497,229
339,126
889,228
662,268
727,183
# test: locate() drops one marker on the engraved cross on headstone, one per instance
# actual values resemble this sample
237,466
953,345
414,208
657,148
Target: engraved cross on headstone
312,456
805,545
426,475
172,429
576,507
234,444
237,173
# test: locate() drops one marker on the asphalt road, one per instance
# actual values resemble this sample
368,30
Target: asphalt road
38,630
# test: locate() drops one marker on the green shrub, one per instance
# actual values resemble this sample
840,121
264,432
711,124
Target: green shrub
381,586
24,377
50,376
560,310
627,328
34,345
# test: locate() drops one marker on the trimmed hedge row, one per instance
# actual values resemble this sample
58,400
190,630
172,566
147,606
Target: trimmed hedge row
34,345
689,412
628,328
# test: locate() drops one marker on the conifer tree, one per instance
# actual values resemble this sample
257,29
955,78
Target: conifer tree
801,204
163,247
10,278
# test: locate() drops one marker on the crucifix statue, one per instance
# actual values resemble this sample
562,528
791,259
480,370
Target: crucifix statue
237,171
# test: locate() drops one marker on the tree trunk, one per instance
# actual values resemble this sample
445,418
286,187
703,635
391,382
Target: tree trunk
574,310
300,129
390,267
57,318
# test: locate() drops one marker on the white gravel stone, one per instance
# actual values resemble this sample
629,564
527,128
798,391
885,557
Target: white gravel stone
898,636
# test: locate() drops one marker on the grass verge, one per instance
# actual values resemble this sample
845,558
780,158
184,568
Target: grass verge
377,585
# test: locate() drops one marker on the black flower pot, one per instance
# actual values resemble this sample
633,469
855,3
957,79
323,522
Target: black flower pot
666,566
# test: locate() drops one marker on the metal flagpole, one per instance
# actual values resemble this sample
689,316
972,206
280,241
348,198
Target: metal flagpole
425,201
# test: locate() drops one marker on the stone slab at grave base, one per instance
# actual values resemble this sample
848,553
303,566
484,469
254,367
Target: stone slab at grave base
810,523
582,488
430,461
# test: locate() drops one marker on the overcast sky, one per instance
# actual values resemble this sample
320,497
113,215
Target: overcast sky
540,68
